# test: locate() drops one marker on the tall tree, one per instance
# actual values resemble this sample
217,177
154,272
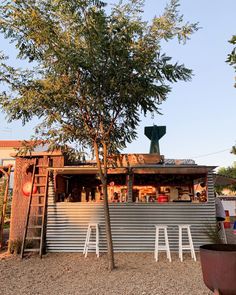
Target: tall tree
228,172
231,59
96,72
233,150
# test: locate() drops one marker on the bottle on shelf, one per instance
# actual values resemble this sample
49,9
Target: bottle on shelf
90,196
97,195
83,195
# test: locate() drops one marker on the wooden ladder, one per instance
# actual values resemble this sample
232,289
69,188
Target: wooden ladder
36,212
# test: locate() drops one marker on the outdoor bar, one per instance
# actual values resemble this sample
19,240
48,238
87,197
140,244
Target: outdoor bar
140,197
144,190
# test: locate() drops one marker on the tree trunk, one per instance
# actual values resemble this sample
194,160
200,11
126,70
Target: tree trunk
103,176
110,253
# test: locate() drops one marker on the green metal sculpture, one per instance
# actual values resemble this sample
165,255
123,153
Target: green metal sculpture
154,133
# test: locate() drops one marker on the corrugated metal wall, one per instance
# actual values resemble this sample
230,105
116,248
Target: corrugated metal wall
132,223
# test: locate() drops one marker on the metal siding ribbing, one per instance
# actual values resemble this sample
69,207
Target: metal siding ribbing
132,223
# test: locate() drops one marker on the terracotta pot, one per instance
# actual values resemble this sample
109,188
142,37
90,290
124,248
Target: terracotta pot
219,268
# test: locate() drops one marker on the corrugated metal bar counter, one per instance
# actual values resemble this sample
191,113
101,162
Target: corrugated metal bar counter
132,224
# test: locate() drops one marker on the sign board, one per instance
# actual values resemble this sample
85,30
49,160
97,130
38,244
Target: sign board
130,160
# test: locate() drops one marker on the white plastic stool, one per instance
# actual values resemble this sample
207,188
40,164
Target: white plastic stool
88,244
186,247
165,247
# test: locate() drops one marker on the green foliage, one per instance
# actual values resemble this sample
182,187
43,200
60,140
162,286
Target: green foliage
229,172
2,192
233,151
9,200
213,233
96,72
231,59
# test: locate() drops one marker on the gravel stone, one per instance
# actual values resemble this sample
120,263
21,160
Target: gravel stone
72,274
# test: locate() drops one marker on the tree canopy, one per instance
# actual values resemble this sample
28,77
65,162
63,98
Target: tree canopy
229,172
233,150
92,67
231,59
96,70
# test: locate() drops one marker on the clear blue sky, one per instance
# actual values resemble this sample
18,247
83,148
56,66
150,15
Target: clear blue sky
199,115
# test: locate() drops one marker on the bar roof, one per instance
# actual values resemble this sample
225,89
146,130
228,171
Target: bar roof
11,143
148,169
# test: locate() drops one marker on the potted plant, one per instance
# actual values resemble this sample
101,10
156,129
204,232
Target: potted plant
218,263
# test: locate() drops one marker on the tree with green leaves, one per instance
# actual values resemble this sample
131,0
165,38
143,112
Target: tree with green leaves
231,59
233,150
95,72
228,172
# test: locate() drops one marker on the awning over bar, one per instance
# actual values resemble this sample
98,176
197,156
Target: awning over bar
137,170
86,170
173,170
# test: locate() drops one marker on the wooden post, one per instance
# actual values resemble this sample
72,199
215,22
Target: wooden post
7,174
130,186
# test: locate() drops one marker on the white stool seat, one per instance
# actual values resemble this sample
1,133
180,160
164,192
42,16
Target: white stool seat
92,244
188,246
164,247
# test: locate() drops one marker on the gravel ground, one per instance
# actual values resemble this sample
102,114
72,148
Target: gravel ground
136,274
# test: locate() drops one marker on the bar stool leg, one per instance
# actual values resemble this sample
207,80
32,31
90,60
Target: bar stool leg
97,240
180,245
156,244
86,240
188,246
167,245
87,244
191,245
